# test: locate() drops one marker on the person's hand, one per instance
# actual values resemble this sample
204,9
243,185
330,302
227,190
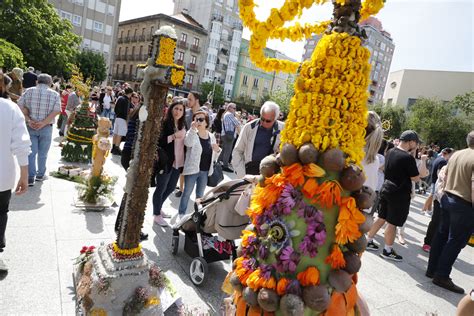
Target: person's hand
40,125
22,185
194,125
251,178
33,124
215,147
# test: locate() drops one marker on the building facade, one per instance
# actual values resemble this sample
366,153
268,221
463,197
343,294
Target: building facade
406,86
134,39
381,48
221,19
252,84
96,21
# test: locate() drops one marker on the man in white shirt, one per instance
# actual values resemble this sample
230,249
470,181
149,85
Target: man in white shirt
14,141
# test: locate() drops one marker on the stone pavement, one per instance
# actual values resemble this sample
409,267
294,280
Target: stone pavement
45,232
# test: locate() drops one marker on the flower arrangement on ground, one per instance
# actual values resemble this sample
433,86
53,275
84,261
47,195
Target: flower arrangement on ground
301,253
97,187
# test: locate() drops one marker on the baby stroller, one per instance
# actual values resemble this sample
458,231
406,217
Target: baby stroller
211,229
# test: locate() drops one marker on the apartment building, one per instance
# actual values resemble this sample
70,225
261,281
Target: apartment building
96,21
134,39
221,19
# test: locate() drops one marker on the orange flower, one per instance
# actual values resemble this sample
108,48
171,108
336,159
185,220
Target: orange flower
336,258
310,188
255,280
241,271
245,235
281,287
347,228
312,170
294,174
329,193
270,283
309,277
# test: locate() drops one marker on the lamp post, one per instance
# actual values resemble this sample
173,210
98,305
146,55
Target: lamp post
213,90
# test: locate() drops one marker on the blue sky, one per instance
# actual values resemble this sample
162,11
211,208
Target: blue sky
428,34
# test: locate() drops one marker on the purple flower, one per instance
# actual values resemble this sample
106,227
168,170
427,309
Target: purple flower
317,232
266,270
249,264
288,260
263,252
294,287
308,247
288,199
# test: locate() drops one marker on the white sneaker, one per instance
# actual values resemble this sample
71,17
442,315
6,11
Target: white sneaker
160,221
164,214
3,266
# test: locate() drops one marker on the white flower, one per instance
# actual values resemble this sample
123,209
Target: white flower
167,30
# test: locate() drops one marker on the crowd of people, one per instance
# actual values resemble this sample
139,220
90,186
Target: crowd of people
196,139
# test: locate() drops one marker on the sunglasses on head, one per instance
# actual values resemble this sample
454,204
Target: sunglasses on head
200,119
266,121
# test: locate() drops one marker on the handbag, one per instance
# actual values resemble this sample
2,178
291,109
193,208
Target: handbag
217,176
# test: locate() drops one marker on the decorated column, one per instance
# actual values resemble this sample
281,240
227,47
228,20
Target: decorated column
301,254
117,278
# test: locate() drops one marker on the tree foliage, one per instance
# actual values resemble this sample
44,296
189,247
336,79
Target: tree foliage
47,41
92,65
465,103
206,93
437,122
10,56
393,118
282,97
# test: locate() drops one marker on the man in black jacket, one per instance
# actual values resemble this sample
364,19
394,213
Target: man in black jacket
122,107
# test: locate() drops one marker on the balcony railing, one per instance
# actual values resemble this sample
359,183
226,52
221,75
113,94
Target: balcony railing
139,57
120,40
182,44
141,38
195,48
180,62
192,67
126,39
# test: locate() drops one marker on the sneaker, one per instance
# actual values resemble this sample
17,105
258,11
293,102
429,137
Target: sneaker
391,255
31,182
3,266
429,213
116,151
178,194
426,248
164,214
447,283
41,178
160,221
371,245
143,236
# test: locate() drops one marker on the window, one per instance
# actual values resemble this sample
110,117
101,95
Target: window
140,51
111,10
389,101
143,31
410,102
121,34
265,84
255,83
244,81
120,51
184,37
128,33
76,20
66,15
123,69
151,29
98,27
196,42
133,51
117,69
207,72
181,56
130,70
135,33
190,79
193,60
126,51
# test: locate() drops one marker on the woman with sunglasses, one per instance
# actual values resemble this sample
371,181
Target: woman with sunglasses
170,158
202,150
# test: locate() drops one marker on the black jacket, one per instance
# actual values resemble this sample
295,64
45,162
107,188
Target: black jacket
165,150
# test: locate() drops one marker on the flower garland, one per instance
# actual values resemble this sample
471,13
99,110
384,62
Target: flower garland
126,252
166,50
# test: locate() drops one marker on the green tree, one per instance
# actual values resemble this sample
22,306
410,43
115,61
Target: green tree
47,41
437,122
206,91
394,119
465,103
10,56
282,97
92,65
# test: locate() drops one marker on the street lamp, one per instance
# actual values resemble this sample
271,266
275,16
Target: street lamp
211,99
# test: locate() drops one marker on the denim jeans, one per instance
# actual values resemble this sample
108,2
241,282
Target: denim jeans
456,227
165,185
4,205
106,113
40,143
200,179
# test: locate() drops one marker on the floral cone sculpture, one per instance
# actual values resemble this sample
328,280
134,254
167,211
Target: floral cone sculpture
301,254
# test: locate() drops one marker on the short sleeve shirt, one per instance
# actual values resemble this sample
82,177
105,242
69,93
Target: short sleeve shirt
40,102
400,167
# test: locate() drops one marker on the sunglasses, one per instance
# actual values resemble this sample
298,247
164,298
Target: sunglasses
200,119
266,121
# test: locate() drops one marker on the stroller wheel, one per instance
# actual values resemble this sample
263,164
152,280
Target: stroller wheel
198,271
174,244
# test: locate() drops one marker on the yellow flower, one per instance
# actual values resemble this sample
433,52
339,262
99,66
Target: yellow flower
166,50
126,252
152,300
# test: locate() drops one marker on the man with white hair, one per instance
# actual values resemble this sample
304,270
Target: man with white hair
258,139
40,105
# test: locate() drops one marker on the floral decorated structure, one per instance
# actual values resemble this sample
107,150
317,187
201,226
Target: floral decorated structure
301,254
117,278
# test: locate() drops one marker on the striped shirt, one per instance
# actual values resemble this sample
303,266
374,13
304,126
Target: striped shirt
40,102
229,123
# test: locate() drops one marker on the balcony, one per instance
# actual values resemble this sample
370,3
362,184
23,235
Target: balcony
149,37
141,38
139,57
217,17
120,40
188,85
182,44
126,39
180,62
192,67
195,48
117,57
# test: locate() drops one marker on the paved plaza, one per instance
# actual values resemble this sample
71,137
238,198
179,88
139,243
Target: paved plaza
45,232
